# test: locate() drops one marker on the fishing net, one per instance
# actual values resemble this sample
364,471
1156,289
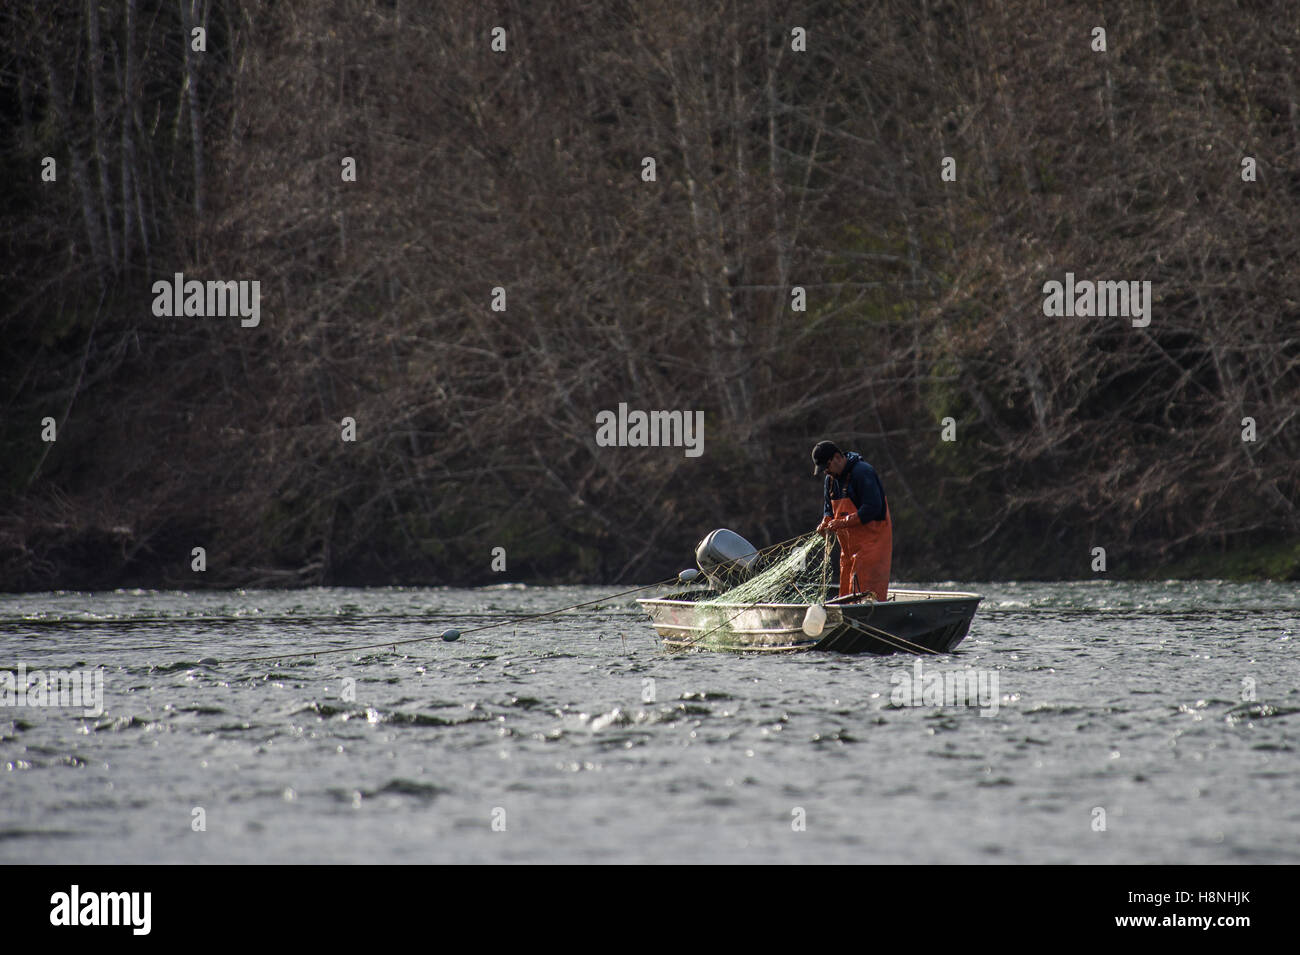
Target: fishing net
736,610
797,572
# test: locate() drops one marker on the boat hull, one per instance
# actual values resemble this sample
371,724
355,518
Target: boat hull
910,621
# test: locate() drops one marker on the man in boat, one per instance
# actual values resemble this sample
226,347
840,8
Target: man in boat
856,512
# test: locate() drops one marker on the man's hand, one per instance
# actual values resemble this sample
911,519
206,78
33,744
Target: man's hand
824,527
842,523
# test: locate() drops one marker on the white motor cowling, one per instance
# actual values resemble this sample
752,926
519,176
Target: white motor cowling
725,558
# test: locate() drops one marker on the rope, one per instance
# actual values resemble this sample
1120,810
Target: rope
490,626
885,637
512,621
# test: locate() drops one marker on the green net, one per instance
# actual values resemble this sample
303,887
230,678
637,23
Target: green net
795,573
737,611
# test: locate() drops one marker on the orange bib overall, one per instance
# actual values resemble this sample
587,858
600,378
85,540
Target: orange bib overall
865,550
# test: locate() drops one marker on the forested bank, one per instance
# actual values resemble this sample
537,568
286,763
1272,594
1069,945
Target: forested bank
501,269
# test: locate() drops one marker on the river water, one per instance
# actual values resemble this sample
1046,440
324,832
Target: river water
1132,723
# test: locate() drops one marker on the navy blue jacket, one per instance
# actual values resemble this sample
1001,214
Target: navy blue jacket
861,483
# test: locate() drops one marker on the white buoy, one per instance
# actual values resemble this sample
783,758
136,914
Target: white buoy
688,575
814,621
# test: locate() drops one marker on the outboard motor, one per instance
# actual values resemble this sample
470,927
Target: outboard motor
725,558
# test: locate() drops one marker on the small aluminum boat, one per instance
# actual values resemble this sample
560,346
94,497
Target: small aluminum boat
909,621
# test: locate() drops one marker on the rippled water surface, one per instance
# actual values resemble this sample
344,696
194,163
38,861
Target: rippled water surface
1170,712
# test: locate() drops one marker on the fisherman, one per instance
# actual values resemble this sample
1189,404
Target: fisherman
856,511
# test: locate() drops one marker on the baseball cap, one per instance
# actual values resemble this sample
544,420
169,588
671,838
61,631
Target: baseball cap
822,454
